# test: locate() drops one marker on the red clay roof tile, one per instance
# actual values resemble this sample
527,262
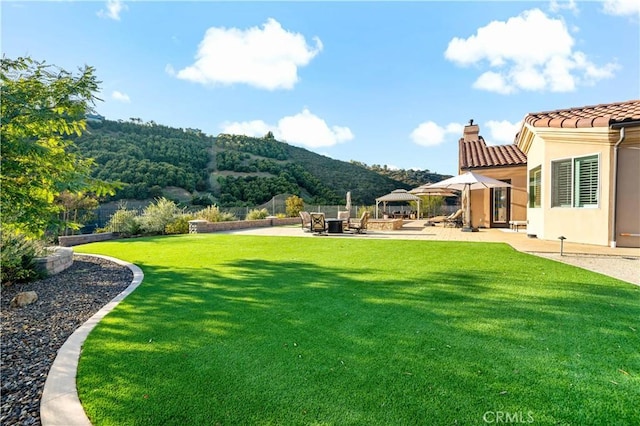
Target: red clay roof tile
476,153
602,115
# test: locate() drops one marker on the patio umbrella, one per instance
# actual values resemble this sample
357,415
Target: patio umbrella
427,190
348,205
468,182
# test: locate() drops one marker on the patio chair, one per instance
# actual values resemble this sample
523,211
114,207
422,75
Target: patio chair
361,225
454,220
306,221
344,216
432,221
318,224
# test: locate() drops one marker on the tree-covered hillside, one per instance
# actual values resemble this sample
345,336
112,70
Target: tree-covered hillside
147,157
228,169
411,177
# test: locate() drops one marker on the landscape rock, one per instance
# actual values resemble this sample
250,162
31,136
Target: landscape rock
32,335
23,299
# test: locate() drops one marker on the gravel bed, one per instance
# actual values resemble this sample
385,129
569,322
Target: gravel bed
32,335
625,268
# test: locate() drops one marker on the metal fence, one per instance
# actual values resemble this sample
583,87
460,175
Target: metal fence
276,206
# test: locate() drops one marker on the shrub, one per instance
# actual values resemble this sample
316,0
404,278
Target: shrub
257,214
227,217
123,221
213,214
294,205
179,224
18,257
370,209
156,216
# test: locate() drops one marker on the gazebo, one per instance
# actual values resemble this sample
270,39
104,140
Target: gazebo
397,195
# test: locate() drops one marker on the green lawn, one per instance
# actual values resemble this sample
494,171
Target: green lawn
270,330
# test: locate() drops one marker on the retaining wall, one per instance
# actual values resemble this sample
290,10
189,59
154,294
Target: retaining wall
58,261
75,240
203,226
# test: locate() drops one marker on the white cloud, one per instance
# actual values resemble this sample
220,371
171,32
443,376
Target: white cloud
493,82
432,134
266,58
502,132
114,8
558,5
529,52
254,128
622,7
311,131
528,78
121,97
303,129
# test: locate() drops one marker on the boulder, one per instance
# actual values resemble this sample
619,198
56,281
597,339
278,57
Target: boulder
23,299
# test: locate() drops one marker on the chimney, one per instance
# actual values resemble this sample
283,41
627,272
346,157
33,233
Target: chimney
471,132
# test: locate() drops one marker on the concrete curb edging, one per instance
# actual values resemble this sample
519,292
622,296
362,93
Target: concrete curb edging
60,405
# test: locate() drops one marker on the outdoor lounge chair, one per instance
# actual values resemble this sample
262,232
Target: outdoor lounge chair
318,224
344,216
306,221
360,226
435,219
454,220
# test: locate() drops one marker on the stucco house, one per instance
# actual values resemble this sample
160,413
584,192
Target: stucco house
494,208
583,169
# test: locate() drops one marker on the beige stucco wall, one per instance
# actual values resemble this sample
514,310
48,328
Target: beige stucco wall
481,199
628,199
583,225
535,158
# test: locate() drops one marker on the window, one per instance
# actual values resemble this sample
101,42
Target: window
535,185
586,181
575,182
561,183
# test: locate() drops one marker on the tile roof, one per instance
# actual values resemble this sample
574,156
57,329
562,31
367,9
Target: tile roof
476,153
602,115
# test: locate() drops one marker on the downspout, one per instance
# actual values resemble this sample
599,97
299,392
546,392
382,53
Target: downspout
615,188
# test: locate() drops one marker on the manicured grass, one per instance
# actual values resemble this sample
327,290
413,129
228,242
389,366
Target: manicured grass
338,331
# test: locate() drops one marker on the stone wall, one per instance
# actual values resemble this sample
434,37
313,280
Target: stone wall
75,240
385,224
203,226
58,261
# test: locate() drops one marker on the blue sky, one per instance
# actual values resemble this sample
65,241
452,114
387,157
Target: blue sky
389,83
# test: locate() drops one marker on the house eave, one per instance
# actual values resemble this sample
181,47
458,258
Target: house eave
502,166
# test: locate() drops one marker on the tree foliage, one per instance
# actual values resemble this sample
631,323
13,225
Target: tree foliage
294,205
409,176
227,170
76,208
42,105
146,157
